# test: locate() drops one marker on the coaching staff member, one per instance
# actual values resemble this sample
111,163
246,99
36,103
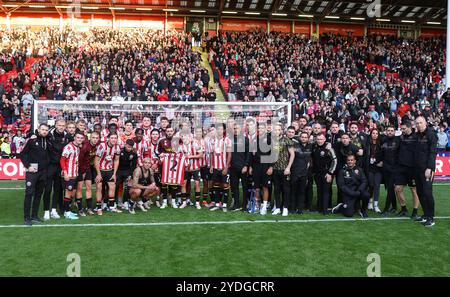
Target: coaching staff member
404,174
353,184
127,164
240,161
58,139
324,166
36,161
389,154
424,166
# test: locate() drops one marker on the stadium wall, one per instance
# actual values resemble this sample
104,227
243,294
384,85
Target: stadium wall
158,22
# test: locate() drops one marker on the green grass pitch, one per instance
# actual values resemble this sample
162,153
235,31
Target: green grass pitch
311,248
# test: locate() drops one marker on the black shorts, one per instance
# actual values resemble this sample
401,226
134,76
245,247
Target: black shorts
71,184
85,176
205,174
260,177
218,177
106,175
192,175
404,176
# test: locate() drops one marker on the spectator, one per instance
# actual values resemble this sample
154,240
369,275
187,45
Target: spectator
6,146
442,139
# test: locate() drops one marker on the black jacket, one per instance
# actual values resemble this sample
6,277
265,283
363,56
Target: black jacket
352,181
127,160
407,150
57,142
324,159
334,139
303,159
425,150
261,151
240,155
36,151
389,152
343,151
369,164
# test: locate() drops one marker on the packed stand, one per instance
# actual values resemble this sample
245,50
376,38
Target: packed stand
374,81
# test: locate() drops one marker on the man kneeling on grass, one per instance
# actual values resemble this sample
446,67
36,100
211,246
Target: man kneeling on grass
143,185
353,184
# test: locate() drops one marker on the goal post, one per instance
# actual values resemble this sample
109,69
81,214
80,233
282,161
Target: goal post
197,113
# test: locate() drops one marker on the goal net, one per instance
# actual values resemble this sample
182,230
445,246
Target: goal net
195,113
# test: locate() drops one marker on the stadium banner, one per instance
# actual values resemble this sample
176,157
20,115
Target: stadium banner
341,29
277,26
302,28
148,22
430,33
242,25
11,169
176,23
382,31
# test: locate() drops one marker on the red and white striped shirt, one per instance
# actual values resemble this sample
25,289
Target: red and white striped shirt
200,146
208,149
140,148
220,149
173,167
150,150
107,154
69,160
147,132
104,138
104,135
190,150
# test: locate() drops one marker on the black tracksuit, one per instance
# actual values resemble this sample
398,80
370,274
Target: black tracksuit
342,152
324,162
301,169
372,157
35,151
352,183
57,142
127,164
334,139
240,157
404,172
389,156
425,158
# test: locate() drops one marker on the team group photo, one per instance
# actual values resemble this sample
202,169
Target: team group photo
224,138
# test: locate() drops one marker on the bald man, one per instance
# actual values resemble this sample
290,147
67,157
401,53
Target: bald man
424,167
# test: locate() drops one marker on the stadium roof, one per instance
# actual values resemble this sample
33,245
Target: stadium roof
357,10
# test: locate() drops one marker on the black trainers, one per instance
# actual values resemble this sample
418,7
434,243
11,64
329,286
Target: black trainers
363,214
393,210
336,208
429,223
420,219
402,213
28,222
36,220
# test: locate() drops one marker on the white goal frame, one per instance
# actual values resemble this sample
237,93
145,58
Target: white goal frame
219,104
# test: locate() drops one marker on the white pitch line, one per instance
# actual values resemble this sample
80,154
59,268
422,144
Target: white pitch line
212,222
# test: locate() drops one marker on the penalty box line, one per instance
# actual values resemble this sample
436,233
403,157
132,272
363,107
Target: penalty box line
213,222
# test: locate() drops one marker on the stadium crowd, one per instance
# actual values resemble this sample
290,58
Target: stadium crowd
98,65
334,78
357,102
